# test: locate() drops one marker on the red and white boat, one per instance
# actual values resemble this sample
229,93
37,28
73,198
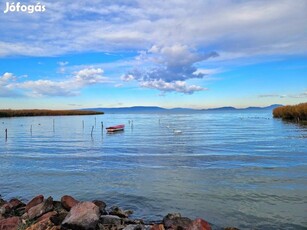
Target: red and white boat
115,128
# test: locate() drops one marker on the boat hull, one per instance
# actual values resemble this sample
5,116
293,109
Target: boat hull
116,128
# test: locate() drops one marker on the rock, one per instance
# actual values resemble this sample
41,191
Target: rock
84,215
2,202
58,219
16,203
43,225
68,202
57,206
199,224
175,221
100,203
110,220
157,227
102,206
119,212
135,227
35,201
47,215
132,221
6,208
41,208
10,223
20,211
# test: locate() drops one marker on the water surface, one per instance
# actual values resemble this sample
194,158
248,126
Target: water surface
238,169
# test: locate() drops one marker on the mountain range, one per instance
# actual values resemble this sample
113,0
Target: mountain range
156,109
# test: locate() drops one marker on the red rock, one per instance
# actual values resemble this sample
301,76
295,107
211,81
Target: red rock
68,202
16,203
84,215
10,223
157,227
43,225
47,215
175,221
41,208
6,208
199,224
35,201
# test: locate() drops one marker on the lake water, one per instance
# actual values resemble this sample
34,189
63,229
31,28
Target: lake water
241,169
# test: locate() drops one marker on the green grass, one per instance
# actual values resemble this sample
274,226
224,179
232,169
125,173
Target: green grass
43,112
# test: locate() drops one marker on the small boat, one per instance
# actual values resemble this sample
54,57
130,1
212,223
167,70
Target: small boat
115,128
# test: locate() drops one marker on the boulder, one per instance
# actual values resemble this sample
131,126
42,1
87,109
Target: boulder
16,203
35,201
175,221
157,227
43,225
58,219
84,215
199,224
135,227
5,208
101,205
120,212
41,208
110,220
2,202
68,202
47,215
11,223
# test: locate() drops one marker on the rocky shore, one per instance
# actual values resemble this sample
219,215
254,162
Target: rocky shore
46,214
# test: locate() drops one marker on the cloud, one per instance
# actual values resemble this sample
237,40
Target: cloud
39,88
299,95
127,77
167,68
235,27
6,82
177,86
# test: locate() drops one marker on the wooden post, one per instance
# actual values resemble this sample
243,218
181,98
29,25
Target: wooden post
92,131
5,134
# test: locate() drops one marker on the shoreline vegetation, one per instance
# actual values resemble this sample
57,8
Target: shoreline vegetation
70,214
294,113
45,112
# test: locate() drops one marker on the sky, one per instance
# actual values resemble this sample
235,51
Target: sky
62,54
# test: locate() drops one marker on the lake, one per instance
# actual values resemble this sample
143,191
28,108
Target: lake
241,169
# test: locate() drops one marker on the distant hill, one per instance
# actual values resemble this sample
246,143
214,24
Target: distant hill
156,109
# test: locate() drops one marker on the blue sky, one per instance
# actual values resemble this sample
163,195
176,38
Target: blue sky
197,54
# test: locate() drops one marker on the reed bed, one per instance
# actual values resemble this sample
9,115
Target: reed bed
296,113
43,112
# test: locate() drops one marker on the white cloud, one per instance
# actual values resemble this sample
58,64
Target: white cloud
167,68
176,86
299,95
38,88
127,77
249,27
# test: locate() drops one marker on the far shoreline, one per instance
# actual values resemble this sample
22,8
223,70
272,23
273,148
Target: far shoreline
45,112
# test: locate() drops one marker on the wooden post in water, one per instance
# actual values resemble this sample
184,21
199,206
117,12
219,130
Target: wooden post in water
92,131
101,128
5,134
